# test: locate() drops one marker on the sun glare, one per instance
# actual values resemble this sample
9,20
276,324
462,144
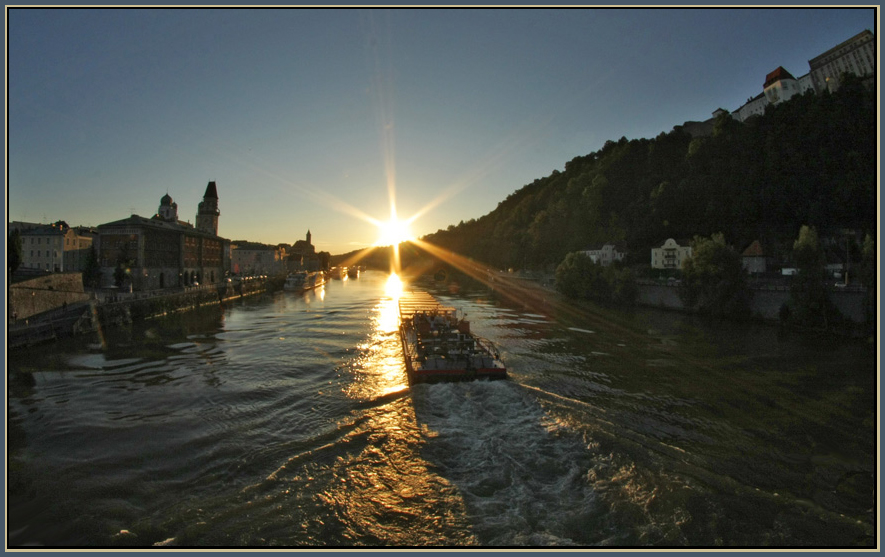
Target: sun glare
394,287
393,232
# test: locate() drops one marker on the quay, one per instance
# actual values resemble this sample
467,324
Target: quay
52,309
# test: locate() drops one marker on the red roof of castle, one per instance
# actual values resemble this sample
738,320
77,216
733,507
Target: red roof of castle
777,75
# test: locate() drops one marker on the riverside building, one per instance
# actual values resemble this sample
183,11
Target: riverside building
163,252
54,248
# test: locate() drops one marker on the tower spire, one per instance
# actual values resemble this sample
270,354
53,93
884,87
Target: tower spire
207,212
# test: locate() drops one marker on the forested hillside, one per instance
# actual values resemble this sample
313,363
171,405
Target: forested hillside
810,161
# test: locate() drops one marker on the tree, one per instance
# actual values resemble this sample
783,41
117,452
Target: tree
622,282
579,277
123,270
14,251
572,275
868,263
91,269
713,279
806,250
868,278
810,305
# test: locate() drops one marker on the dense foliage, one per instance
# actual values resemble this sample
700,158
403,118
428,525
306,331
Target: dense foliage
811,160
809,304
13,251
92,269
713,280
579,277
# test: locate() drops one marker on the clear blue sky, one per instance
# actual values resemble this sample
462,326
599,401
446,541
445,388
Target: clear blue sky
307,118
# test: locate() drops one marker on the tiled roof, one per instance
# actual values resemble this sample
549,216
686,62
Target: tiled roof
777,75
754,250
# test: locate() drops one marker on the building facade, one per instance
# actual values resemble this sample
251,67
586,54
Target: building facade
753,107
56,248
754,259
780,85
606,254
856,56
163,252
670,255
257,259
303,255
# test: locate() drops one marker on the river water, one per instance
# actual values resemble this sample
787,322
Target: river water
287,420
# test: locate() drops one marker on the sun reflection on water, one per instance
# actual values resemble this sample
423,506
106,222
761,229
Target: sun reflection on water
380,369
394,287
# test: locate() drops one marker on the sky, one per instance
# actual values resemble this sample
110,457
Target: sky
321,119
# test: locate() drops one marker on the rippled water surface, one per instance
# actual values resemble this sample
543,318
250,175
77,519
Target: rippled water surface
286,420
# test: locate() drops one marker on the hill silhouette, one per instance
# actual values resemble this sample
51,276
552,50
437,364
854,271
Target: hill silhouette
809,161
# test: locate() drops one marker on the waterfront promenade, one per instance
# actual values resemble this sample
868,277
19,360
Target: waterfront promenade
114,307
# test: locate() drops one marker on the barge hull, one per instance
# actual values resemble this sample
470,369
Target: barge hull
439,347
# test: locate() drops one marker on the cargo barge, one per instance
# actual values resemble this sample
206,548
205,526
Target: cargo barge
438,345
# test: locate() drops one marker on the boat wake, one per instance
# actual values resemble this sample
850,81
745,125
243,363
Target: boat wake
527,477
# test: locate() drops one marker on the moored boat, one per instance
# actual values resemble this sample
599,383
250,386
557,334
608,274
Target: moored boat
438,345
302,281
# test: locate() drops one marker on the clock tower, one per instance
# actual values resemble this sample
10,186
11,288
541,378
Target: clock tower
207,212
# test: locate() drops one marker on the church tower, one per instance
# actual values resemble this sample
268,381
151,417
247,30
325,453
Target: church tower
308,237
207,212
168,210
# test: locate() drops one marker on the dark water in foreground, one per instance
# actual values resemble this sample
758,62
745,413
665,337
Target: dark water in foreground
286,421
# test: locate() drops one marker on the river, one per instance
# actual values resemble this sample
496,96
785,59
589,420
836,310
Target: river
287,420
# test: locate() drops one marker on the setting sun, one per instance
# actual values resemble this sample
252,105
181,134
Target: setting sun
393,232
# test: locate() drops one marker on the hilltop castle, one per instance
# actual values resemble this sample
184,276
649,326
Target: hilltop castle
856,56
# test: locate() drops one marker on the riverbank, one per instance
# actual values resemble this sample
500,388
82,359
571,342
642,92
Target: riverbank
537,292
765,304
86,316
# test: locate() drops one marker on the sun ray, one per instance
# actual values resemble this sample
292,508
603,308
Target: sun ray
511,289
358,256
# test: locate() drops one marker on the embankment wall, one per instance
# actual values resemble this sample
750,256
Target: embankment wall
125,311
766,303
38,295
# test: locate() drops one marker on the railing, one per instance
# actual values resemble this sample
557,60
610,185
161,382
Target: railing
106,297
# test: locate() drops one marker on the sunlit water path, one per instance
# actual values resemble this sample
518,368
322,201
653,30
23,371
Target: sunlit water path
287,420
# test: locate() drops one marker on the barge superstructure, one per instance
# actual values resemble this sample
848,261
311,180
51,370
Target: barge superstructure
438,345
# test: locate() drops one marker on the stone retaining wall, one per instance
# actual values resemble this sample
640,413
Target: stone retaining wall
38,295
125,311
766,303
